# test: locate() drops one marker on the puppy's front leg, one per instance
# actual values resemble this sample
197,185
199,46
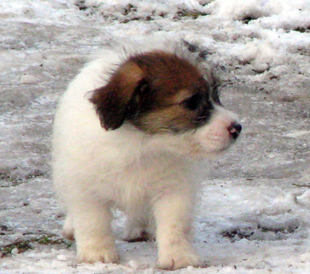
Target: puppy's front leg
92,231
173,215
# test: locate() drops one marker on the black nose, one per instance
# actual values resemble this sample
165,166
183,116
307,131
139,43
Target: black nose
235,129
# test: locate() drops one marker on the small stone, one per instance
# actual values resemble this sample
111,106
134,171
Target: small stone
14,251
304,199
62,258
260,68
133,264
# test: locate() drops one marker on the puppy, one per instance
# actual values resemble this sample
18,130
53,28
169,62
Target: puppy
127,133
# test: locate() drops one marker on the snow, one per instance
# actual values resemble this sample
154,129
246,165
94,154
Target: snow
254,210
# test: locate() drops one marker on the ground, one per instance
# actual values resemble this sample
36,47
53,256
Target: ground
254,213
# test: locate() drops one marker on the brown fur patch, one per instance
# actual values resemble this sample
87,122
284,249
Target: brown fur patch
111,100
155,91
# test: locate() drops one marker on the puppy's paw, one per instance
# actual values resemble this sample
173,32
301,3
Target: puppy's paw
68,230
92,255
68,233
179,260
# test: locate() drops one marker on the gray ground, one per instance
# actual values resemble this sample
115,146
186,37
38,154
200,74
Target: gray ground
39,60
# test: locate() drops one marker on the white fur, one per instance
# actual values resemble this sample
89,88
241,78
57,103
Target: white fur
143,175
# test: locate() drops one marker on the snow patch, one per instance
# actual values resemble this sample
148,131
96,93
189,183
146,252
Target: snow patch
297,134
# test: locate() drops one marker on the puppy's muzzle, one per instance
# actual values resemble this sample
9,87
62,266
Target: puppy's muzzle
235,129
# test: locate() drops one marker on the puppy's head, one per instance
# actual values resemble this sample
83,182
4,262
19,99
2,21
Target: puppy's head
160,92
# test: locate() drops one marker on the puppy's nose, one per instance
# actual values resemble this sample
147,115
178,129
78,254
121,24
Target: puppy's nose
235,129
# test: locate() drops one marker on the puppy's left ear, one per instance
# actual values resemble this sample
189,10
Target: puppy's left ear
111,101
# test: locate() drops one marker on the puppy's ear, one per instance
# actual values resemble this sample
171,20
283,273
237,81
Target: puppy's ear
111,101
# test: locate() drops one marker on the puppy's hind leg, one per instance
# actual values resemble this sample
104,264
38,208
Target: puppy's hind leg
138,226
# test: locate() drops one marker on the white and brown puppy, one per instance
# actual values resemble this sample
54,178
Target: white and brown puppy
127,132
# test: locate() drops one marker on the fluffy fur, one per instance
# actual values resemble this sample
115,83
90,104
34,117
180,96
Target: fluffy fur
127,133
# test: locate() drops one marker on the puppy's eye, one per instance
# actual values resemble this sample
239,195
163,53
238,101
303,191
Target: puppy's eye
193,102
